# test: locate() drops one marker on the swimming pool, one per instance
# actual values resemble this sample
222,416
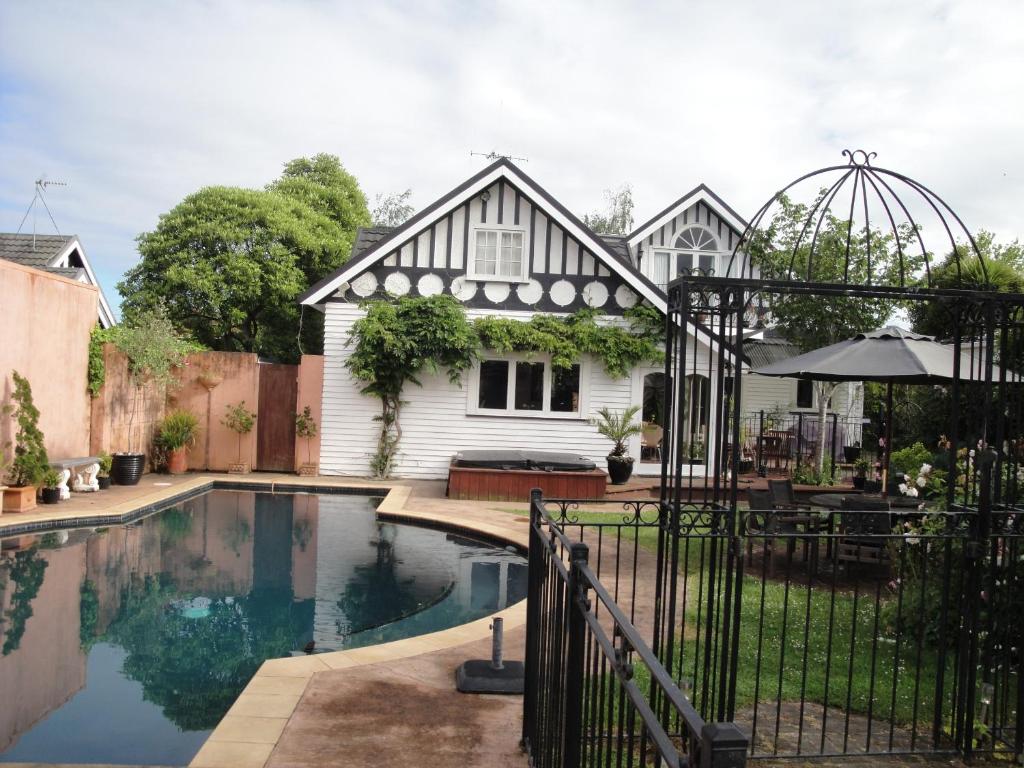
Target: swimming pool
128,644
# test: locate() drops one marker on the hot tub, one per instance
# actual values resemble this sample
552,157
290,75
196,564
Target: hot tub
510,475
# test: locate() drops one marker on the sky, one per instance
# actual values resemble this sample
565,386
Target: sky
136,105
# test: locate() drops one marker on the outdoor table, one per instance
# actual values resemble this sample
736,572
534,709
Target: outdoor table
897,504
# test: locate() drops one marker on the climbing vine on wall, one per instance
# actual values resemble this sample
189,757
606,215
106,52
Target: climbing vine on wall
398,339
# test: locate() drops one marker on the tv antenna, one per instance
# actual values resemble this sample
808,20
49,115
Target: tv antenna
492,155
42,183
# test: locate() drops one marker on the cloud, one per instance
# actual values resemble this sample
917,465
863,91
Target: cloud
139,104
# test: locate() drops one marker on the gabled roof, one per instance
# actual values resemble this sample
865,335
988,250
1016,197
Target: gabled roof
700,193
501,169
61,255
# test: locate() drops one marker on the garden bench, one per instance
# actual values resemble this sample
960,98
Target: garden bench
84,469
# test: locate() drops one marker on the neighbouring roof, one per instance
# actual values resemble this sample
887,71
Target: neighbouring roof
772,349
618,245
367,236
60,255
32,250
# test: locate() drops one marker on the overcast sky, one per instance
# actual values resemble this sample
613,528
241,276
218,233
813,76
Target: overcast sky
138,104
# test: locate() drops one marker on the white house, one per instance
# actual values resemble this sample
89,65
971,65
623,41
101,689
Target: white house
501,244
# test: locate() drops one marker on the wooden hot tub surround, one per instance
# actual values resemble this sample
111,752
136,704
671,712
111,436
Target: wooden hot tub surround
515,484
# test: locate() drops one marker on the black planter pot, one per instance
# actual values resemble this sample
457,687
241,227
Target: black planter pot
746,466
51,495
858,482
620,469
103,482
127,468
851,453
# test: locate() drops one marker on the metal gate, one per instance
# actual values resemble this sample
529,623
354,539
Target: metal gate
275,423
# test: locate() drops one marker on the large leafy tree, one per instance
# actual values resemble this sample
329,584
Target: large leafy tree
229,263
783,251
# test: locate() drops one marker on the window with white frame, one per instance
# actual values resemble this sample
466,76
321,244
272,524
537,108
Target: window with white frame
693,248
661,268
526,387
499,254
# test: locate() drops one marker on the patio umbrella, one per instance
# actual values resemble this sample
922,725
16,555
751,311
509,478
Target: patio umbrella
891,355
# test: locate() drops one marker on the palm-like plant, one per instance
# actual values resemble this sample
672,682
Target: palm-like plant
618,427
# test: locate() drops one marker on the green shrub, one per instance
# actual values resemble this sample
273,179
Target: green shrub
908,461
30,459
177,430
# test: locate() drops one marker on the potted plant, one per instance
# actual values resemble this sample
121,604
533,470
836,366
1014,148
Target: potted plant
51,486
305,427
103,476
30,461
239,420
618,427
175,435
860,473
153,349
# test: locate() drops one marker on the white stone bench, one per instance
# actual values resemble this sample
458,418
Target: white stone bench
83,470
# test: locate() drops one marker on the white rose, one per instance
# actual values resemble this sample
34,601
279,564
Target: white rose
903,488
912,493
922,481
926,468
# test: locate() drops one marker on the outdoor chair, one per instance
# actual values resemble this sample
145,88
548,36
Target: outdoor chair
776,450
650,441
764,520
783,496
867,524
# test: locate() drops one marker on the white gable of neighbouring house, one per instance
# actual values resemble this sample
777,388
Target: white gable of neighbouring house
698,231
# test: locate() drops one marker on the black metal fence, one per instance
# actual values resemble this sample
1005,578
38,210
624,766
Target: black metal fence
783,443
596,693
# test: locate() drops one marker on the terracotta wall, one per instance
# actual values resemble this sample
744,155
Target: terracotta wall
113,428
207,385
45,322
311,388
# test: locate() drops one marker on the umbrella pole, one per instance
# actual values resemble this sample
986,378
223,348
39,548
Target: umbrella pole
888,439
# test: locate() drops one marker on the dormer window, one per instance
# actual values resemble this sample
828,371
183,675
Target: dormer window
499,254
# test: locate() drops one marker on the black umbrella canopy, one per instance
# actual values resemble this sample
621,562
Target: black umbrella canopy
888,354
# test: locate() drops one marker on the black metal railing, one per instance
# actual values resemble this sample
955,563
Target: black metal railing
596,693
783,443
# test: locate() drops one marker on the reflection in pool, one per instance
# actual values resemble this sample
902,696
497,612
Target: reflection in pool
128,644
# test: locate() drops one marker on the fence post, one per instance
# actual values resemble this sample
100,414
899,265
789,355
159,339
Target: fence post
835,429
722,745
760,444
535,582
800,439
575,605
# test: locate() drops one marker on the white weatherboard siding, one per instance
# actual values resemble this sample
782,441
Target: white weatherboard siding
434,419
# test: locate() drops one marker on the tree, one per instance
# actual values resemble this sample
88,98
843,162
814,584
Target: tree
230,263
815,321
392,210
617,218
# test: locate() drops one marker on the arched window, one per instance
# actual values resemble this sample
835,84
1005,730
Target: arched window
696,239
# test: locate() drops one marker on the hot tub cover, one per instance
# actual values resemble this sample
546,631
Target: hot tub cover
547,461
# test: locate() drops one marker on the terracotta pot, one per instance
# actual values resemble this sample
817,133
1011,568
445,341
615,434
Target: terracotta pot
177,461
20,499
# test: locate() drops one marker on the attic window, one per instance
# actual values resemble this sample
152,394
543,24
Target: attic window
499,254
696,239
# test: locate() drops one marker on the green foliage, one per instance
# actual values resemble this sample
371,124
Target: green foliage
305,424
239,418
618,427
394,342
30,460
88,614
51,479
97,374
568,339
908,460
392,210
617,218
27,571
153,346
230,262
177,430
106,462
175,525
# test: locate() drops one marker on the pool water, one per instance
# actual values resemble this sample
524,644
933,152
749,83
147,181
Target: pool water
128,644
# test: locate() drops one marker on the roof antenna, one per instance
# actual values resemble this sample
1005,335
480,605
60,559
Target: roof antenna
41,184
492,155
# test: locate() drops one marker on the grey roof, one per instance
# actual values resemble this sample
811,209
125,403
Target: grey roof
766,351
618,245
72,273
32,251
367,236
